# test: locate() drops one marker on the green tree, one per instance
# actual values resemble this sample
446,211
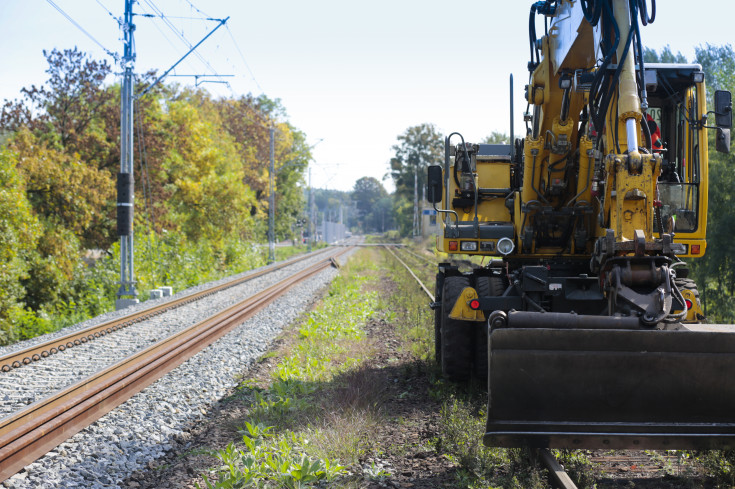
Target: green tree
666,56
366,194
715,272
718,64
418,148
19,231
496,137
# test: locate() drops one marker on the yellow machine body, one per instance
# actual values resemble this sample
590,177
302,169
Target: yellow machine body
583,320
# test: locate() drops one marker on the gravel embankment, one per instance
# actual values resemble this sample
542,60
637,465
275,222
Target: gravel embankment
143,428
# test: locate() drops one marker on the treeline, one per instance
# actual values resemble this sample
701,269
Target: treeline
201,179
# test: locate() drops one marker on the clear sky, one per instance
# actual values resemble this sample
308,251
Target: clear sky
352,74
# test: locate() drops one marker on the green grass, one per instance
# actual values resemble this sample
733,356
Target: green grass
314,417
462,419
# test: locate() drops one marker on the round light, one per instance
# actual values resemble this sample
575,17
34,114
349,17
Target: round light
505,246
689,303
474,304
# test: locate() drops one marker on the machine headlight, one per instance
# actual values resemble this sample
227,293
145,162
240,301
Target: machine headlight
505,246
468,245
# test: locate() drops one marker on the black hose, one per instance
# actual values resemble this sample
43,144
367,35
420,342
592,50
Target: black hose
647,131
608,96
532,38
592,13
600,82
466,155
641,64
645,19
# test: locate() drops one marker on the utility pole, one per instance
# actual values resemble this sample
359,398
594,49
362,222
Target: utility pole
272,202
311,216
126,295
416,200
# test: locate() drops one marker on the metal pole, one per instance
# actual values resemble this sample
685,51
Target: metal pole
416,200
125,183
272,203
311,215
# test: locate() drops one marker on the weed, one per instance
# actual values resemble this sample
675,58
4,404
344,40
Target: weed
720,464
293,436
375,472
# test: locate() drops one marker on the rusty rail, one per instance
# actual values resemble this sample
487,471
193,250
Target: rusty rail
33,353
427,291
30,433
557,475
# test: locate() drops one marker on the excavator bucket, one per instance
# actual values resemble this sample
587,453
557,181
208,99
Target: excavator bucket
595,384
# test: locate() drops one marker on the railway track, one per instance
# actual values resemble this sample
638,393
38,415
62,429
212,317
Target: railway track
627,465
32,431
37,352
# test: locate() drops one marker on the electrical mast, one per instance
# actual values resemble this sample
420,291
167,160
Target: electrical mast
126,295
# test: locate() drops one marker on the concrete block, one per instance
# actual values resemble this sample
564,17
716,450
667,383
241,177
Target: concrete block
167,291
123,303
156,294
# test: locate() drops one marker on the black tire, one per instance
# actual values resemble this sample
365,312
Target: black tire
456,336
486,287
438,321
689,284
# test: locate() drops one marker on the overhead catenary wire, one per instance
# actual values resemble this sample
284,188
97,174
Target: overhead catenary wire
242,56
158,28
183,39
117,19
197,9
115,56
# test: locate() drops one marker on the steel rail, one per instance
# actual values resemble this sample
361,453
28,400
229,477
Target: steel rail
558,476
36,352
420,257
428,293
30,433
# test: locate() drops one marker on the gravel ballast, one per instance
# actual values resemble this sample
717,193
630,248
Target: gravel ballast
144,428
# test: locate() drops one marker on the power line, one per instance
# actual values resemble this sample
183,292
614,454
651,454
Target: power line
109,12
243,59
76,24
195,8
168,23
171,43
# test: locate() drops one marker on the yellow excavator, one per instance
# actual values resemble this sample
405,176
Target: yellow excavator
582,317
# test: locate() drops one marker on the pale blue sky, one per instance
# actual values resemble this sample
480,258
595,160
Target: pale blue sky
356,74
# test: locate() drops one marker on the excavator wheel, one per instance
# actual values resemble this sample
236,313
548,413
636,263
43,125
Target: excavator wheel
456,336
486,287
689,284
438,322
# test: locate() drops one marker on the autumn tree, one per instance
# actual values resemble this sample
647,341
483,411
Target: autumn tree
65,111
19,232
